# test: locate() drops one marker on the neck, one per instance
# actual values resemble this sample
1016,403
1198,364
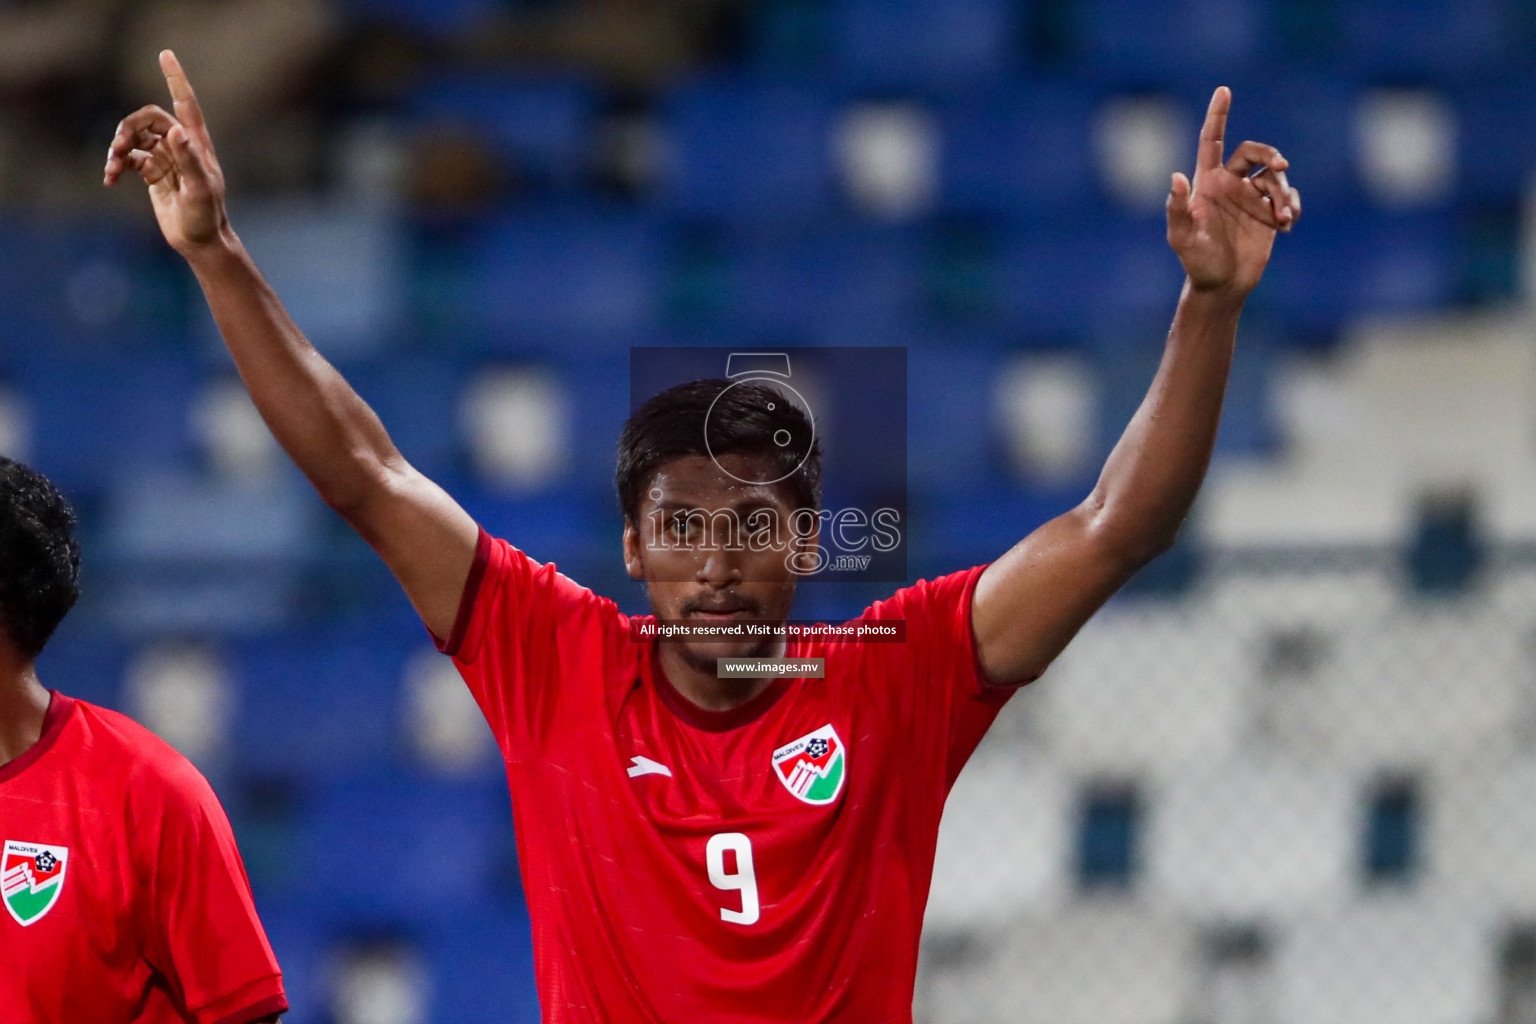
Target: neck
699,684
23,706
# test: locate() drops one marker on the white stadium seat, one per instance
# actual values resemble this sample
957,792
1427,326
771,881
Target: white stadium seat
1383,960
1144,687
1005,844
1305,594
1252,838
1423,685
1480,842
1109,963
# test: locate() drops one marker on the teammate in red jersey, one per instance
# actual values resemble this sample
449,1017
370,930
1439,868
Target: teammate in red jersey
698,847
125,901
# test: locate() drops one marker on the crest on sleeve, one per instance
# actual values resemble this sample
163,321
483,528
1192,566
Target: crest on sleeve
814,766
31,878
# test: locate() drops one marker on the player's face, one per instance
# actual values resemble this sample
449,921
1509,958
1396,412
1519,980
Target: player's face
713,548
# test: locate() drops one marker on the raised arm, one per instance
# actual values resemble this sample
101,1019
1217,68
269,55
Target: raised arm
426,539
1034,599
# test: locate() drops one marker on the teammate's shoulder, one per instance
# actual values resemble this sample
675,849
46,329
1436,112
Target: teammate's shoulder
130,751
109,728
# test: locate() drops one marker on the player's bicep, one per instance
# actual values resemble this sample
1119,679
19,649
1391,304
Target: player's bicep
1032,601
427,540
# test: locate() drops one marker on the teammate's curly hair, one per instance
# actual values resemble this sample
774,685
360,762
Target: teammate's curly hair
39,558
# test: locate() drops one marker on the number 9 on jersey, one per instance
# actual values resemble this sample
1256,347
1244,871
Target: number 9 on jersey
743,879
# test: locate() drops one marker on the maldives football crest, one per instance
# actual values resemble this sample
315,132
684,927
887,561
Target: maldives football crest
31,878
813,767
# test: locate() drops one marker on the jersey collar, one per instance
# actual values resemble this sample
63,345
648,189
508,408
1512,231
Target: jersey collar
704,718
59,708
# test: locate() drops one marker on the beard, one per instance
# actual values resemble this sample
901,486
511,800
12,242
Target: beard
702,657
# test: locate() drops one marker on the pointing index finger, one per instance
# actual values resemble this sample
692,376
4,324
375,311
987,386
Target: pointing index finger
185,100
1214,132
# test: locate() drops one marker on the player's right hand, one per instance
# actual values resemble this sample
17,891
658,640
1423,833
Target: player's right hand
174,156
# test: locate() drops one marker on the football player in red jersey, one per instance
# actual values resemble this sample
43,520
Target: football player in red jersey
729,849
125,899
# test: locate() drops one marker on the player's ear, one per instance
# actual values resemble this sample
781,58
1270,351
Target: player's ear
634,563
805,541
808,540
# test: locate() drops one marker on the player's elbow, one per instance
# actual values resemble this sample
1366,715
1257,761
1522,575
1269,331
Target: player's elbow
354,495
1129,539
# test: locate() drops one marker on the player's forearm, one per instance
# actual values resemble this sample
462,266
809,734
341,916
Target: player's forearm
328,431
1154,472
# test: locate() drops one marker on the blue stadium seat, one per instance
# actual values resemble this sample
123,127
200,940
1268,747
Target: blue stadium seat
83,659
1108,852
1495,144
865,430
99,420
192,556
186,520
100,289
1344,266
950,441
923,44
481,964
202,600
1065,276
1017,151
417,399
1126,357
300,947
826,281
399,847
542,127
1183,39
324,704
565,280
182,554
975,526
340,269
577,529
600,386
1248,426
1414,37
742,150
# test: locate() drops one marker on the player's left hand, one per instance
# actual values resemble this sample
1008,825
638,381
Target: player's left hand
175,157
1223,225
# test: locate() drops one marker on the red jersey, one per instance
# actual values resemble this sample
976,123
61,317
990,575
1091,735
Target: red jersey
125,901
769,863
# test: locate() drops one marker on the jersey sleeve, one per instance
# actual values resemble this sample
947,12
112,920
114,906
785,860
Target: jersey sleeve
521,630
204,936
947,699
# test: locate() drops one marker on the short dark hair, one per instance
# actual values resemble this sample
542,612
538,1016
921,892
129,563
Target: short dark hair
746,416
39,558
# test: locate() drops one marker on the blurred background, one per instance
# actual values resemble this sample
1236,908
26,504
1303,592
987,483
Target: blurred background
1287,777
